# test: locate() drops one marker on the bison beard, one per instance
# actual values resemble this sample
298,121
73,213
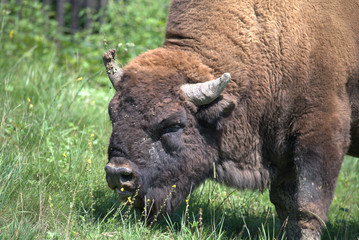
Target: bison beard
285,120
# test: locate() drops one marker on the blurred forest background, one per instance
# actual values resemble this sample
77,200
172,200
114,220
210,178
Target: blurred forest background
54,133
80,12
82,27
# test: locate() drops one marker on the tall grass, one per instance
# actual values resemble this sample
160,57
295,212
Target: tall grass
54,131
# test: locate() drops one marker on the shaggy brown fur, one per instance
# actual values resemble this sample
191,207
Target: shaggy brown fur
284,121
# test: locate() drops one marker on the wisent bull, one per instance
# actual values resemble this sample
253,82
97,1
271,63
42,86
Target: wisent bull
263,92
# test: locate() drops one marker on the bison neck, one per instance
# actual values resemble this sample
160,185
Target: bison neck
244,159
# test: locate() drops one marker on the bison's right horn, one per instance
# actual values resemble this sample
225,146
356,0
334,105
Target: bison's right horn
205,93
113,71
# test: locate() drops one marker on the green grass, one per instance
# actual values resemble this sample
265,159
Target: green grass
54,132
52,124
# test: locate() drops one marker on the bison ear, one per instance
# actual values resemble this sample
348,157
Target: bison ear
212,115
113,71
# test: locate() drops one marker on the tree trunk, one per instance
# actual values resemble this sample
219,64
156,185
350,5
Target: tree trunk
101,8
90,6
46,2
75,10
60,13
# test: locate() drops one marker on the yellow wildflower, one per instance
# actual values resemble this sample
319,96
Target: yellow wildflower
174,186
11,34
92,135
79,79
129,199
122,189
64,154
28,99
31,106
89,161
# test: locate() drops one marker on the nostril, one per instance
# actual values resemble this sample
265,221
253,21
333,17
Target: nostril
126,177
126,174
123,174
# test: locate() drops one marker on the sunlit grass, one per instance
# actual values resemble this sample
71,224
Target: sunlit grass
54,135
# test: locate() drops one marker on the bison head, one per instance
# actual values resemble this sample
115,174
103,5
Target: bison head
166,117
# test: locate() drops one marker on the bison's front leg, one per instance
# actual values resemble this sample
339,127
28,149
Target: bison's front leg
302,219
303,192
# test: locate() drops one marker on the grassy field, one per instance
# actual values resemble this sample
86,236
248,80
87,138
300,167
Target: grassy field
54,131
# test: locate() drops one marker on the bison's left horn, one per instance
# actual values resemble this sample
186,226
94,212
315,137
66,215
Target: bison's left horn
113,71
205,93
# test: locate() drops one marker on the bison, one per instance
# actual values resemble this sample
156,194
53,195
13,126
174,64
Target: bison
265,93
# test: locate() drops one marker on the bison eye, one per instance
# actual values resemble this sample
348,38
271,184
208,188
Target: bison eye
171,137
172,125
172,128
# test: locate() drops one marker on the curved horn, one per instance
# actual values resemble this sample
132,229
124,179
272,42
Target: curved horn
113,71
205,93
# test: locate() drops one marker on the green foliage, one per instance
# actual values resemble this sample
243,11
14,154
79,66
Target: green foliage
130,26
54,131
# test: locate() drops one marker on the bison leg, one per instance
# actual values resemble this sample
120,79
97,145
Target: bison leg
301,220
303,193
